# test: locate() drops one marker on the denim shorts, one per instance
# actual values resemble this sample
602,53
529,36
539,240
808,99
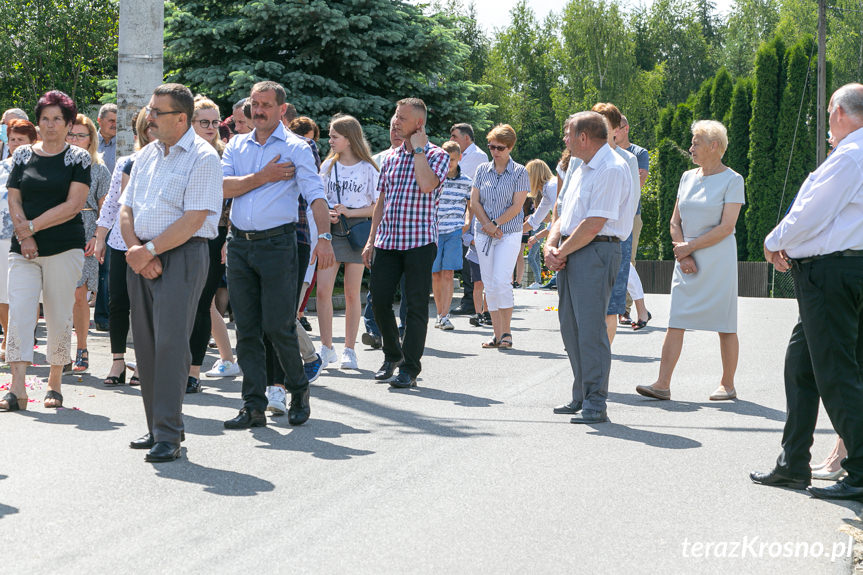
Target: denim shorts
449,253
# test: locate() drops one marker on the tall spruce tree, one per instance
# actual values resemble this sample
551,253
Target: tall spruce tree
671,162
761,182
720,103
703,98
353,56
737,154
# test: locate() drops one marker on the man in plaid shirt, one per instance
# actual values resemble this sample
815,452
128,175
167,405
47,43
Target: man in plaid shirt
403,240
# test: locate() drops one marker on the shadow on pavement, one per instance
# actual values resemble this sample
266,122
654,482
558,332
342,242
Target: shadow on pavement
462,399
7,510
216,481
445,354
633,358
737,406
651,438
80,419
307,438
419,423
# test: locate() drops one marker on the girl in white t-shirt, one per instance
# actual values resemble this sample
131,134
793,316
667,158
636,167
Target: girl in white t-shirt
350,180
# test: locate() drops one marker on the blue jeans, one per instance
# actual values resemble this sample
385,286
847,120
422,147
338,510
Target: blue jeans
533,258
617,304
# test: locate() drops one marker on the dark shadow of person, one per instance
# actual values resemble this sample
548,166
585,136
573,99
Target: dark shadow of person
307,439
462,399
651,438
80,419
216,481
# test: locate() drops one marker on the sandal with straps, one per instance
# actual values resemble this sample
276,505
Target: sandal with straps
82,360
505,341
14,403
114,380
134,380
493,343
637,325
56,396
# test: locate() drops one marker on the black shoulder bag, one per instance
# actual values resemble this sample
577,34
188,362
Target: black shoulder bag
357,230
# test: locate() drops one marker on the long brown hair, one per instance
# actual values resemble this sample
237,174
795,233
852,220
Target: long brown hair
350,128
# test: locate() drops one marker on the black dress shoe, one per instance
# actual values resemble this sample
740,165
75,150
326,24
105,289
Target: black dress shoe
570,408
163,451
246,419
193,385
387,370
300,410
146,441
372,340
463,309
839,490
780,478
590,416
403,381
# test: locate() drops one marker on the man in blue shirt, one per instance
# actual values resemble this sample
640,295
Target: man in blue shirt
265,193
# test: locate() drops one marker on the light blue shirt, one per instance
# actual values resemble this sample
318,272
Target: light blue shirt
274,204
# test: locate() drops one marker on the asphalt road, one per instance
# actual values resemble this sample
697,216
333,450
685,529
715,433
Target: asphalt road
470,472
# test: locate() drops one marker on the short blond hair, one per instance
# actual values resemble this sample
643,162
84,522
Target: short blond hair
504,134
712,131
451,147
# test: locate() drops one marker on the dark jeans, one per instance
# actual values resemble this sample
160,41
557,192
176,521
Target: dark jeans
203,324
467,280
262,280
824,360
387,269
101,312
119,302
275,374
369,314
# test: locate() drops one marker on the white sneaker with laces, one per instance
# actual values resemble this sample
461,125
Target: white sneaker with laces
276,400
349,359
328,355
446,324
223,368
534,285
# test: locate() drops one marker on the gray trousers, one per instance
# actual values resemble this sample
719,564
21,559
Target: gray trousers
584,288
163,314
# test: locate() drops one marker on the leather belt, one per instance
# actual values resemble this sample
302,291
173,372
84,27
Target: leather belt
842,254
612,239
264,234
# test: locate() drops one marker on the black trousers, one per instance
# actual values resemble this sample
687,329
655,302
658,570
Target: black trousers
203,324
262,280
824,360
118,305
275,374
467,280
387,270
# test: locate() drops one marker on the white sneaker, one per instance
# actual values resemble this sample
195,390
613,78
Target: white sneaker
446,324
276,400
349,359
223,368
328,355
535,285
437,323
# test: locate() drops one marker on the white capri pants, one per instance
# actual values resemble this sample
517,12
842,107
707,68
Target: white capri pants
55,277
4,269
496,263
633,286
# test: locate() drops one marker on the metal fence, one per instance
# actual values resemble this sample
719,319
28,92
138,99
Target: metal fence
754,279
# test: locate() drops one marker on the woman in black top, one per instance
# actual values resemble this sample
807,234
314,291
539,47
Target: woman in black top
48,186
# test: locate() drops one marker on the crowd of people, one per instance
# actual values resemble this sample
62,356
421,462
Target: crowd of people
248,205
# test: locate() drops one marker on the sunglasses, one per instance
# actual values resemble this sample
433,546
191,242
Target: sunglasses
496,148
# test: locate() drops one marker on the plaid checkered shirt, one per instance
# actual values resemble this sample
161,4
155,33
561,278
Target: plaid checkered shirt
409,219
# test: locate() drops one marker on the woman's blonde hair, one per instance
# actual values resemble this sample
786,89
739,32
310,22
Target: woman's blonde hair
93,148
350,128
204,103
142,138
712,131
539,174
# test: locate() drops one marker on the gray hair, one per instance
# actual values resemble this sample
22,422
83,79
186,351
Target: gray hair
107,109
15,113
712,131
850,98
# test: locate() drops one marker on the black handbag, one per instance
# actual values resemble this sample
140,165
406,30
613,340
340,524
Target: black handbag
357,230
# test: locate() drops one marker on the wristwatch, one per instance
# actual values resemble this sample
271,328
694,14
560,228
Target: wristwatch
495,224
326,236
418,150
151,248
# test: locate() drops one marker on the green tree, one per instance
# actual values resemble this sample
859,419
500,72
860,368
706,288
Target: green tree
649,243
703,99
737,154
761,182
750,23
353,56
681,126
720,103
68,45
671,162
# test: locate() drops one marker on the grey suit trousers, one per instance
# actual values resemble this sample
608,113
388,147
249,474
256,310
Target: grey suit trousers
584,288
163,314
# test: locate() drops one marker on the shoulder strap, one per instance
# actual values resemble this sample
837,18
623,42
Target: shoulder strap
338,184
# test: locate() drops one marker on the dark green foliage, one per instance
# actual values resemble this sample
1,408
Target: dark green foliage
53,44
353,56
737,154
649,241
761,182
671,162
701,108
681,126
720,103
663,126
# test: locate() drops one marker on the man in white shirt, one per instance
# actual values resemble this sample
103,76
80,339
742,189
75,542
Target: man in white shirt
471,157
584,248
821,241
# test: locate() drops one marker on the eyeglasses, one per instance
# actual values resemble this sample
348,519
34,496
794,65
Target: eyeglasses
207,123
74,136
496,148
154,113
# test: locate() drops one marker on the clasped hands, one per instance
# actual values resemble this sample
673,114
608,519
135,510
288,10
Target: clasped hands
554,260
779,259
492,230
143,262
683,254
